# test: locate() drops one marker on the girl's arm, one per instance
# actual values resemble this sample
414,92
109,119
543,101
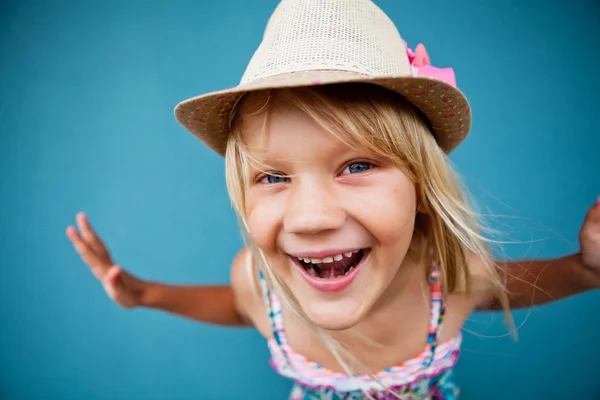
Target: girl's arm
209,304
536,282
223,305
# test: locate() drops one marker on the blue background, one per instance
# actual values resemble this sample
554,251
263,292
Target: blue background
87,91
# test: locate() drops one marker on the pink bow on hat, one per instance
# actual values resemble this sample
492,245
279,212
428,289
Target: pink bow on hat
421,66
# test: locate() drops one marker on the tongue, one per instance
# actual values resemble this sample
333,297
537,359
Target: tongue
329,273
337,268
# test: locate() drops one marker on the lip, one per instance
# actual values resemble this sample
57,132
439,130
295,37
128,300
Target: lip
336,284
324,253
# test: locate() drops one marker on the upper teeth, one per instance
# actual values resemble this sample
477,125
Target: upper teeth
329,259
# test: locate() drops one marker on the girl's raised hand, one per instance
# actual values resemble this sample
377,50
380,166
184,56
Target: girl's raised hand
589,237
122,287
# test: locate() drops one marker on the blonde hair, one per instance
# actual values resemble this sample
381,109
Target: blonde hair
382,122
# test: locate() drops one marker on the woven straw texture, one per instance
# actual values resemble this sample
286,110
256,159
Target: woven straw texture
317,42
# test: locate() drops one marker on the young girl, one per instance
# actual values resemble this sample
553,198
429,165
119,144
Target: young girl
363,256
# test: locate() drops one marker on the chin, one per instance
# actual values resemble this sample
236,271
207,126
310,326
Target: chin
333,316
335,312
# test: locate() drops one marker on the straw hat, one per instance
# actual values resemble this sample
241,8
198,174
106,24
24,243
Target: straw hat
319,42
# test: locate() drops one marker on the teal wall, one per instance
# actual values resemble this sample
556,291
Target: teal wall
87,91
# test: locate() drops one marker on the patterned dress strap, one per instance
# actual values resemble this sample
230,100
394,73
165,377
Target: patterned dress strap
436,313
274,311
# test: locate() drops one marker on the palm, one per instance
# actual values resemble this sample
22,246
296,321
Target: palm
121,286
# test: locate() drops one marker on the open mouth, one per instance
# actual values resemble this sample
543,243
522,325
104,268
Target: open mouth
331,267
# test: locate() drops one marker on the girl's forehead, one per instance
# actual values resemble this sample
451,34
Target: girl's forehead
285,131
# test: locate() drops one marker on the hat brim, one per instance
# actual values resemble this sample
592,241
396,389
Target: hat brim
447,109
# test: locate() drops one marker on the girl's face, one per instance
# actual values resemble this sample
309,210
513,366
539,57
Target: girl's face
335,223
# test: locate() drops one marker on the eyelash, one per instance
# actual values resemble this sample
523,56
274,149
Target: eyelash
260,178
370,164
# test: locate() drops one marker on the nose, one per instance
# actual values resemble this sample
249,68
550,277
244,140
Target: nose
313,209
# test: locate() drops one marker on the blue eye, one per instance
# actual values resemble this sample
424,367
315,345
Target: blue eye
272,179
357,167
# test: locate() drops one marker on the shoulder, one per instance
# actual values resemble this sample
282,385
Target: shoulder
482,289
484,278
248,295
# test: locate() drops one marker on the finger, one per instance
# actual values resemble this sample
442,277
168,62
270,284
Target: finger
89,235
87,254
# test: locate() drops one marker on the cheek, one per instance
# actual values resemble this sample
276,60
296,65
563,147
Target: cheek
392,213
262,220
